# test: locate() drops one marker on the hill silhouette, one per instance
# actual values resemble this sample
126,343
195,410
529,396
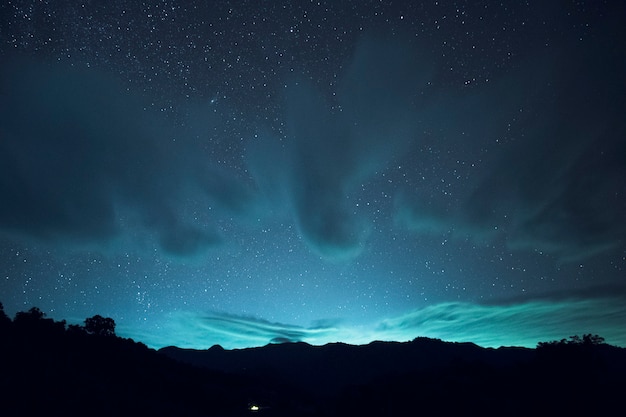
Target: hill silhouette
49,368
329,368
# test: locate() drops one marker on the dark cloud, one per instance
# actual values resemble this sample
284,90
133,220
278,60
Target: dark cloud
561,185
549,144
556,184
185,240
335,143
252,327
82,160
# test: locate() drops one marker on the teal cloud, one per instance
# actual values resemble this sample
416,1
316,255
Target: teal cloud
517,323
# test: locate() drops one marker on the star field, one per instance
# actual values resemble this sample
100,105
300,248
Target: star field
240,173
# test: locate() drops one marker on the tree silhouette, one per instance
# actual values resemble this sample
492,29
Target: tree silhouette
76,329
586,340
101,326
33,315
593,340
5,321
34,325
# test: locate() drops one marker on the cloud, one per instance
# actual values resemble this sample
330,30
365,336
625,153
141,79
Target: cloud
514,322
187,240
335,143
546,146
200,330
83,161
554,162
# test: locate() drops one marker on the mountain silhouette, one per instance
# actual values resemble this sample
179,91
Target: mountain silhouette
329,368
49,368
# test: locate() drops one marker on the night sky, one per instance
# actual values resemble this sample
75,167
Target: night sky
247,172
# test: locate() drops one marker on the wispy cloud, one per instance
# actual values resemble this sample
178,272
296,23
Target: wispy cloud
552,181
513,323
337,143
86,160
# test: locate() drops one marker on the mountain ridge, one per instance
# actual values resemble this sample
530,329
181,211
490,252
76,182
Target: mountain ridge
48,368
338,364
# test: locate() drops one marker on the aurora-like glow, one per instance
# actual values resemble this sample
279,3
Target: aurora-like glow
516,324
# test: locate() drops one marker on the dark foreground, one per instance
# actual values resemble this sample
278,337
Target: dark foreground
48,368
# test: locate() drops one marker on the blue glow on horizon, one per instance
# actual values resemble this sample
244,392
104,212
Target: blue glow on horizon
523,324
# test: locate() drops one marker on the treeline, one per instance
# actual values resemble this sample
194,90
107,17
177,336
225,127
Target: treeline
579,376
34,320
50,368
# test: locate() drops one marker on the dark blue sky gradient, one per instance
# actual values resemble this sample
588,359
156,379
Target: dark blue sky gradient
243,173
